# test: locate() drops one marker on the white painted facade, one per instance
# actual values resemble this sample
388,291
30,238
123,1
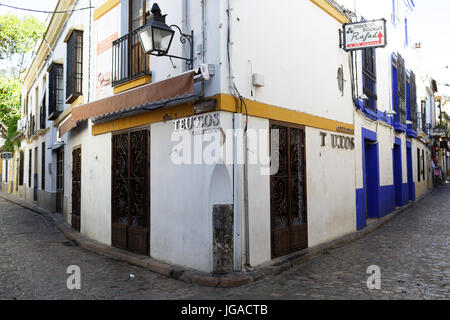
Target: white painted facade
299,68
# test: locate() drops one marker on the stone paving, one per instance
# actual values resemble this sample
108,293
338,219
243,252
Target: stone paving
412,251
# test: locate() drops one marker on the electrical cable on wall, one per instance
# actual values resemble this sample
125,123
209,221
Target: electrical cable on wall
44,11
230,71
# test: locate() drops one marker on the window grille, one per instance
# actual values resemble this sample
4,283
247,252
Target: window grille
55,91
74,76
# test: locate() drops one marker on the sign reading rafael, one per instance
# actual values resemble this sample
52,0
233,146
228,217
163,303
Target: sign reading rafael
367,34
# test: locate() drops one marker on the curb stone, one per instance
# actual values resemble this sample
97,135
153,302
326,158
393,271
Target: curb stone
235,279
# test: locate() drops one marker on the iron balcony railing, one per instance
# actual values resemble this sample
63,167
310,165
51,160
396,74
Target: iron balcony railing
421,122
129,59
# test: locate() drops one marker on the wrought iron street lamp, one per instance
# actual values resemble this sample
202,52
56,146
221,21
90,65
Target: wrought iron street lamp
156,37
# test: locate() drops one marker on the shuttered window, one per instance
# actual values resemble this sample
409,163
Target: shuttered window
413,101
55,91
398,88
74,76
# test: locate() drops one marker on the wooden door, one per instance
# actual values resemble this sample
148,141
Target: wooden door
76,188
138,62
288,191
60,180
131,191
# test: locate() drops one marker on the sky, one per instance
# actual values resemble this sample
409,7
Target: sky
430,25
45,5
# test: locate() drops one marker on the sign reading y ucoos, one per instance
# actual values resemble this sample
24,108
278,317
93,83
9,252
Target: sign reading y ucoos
367,34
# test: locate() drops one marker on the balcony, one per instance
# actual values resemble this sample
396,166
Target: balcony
421,122
129,60
31,129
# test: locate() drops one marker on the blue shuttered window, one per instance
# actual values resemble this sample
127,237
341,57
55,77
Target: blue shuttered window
398,89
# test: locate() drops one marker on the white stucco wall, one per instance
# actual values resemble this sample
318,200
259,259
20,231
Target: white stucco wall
330,188
95,181
296,76
181,201
259,196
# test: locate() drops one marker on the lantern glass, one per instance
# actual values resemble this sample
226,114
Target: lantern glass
156,40
146,39
162,38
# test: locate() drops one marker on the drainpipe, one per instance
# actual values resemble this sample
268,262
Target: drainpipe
237,152
240,170
237,194
248,267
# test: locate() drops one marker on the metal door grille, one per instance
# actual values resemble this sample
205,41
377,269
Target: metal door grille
60,180
76,188
131,191
288,191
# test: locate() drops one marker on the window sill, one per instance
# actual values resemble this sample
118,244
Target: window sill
74,96
132,84
400,127
411,133
54,115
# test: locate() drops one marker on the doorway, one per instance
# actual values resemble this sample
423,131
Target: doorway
35,175
288,208
397,172
411,188
76,188
60,180
130,221
371,173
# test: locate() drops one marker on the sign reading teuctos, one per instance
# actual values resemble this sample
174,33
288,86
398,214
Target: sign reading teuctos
367,34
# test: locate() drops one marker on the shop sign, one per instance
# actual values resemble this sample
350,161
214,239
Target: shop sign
438,132
338,141
362,35
6,155
198,124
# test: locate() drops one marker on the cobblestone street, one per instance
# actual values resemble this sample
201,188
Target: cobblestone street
412,251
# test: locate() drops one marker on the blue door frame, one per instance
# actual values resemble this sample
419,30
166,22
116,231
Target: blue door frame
367,200
411,187
397,171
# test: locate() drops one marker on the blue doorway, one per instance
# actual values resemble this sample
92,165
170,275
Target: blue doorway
371,174
411,189
397,171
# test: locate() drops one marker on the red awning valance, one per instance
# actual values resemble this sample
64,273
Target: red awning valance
165,90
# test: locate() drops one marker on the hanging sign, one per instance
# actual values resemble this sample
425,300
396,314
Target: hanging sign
6,155
367,34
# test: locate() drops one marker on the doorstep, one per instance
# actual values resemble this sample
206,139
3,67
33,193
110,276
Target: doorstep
188,275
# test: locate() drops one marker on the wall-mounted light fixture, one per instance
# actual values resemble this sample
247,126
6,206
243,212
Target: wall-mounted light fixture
363,97
390,113
156,37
